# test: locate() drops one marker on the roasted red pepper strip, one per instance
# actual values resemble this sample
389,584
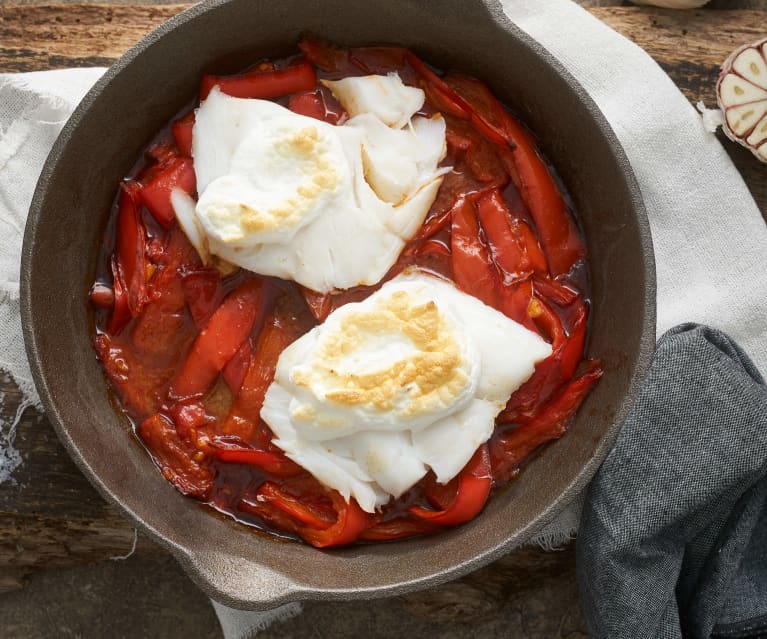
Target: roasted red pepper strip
119,365
555,291
219,341
312,104
441,95
320,304
512,448
572,350
503,236
236,368
380,60
182,133
102,296
473,270
559,237
515,300
244,415
527,400
352,520
131,247
156,190
398,528
120,311
558,234
267,513
434,247
188,416
176,458
325,56
451,101
474,484
266,461
548,322
269,84
271,493
203,294
534,251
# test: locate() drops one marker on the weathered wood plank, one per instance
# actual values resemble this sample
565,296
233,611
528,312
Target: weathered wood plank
60,36
688,43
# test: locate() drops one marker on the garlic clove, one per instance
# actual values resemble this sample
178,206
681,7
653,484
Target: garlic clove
751,63
740,91
742,96
741,119
759,134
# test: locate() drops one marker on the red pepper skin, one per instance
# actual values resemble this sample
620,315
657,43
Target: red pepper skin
511,449
244,416
219,341
473,270
182,133
398,528
325,56
352,520
528,399
572,349
131,248
102,296
515,300
555,291
236,368
162,331
356,61
271,463
533,248
567,351
559,237
119,366
379,60
176,458
474,484
558,234
156,190
548,323
434,247
187,416
203,294
270,84
313,105
120,312
320,304
441,95
271,493
504,237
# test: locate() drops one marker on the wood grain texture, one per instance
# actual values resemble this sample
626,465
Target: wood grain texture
59,36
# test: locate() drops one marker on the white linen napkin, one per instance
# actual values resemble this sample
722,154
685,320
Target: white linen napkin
33,108
708,234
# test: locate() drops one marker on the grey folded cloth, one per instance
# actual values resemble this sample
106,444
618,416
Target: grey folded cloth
673,537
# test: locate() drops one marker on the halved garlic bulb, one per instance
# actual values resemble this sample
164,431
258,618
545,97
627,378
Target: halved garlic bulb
673,4
742,96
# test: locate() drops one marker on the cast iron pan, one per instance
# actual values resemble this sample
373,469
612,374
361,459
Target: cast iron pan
106,134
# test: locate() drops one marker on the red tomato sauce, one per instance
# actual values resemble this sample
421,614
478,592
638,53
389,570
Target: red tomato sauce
191,349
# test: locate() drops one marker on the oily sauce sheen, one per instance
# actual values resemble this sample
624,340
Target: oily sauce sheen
500,228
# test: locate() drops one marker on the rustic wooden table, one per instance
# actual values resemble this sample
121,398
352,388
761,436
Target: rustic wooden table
57,536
